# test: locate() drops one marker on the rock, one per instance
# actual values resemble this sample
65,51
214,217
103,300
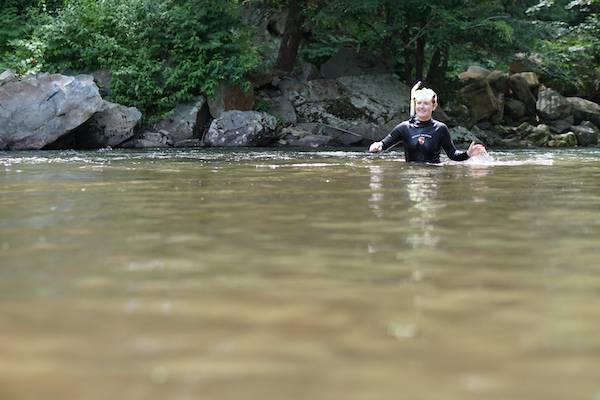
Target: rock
515,108
261,77
461,135
370,105
488,136
540,135
7,76
474,72
317,91
560,126
524,129
552,105
531,78
498,81
587,133
521,91
481,101
348,62
309,72
190,143
230,97
283,109
140,144
112,125
188,121
39,110
498,115
565,140
103,78
457,112
585,110
149,139
312,141
241,129
380,97
298,137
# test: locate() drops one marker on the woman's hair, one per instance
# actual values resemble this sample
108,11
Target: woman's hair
427,94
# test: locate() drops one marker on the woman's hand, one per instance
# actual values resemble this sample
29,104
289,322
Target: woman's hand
474,149
376,146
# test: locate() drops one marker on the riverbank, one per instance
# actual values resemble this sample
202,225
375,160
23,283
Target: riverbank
313,108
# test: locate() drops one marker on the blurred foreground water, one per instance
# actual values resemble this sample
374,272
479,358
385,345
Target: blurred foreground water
266,274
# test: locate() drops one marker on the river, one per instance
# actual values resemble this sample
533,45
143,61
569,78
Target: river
277,274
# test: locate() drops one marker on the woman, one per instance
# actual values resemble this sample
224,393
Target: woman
423,137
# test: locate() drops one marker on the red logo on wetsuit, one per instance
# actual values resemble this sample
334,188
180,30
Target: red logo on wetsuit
421,138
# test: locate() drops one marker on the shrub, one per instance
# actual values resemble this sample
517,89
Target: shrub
159,52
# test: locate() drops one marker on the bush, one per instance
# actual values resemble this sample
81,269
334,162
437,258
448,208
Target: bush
158,52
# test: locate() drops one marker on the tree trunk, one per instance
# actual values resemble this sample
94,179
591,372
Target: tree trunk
438,66
407,58
386,43
290,43
420,59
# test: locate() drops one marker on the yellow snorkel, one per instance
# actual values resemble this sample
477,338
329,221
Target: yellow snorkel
413,105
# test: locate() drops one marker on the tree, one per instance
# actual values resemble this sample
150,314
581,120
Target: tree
419,35
567,44
290,43
159,52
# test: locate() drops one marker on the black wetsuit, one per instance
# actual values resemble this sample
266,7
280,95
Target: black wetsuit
423,140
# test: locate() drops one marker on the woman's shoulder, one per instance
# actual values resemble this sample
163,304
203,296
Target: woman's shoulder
437,123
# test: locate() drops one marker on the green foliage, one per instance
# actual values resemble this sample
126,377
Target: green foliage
568,45
162,52
158,52
319,52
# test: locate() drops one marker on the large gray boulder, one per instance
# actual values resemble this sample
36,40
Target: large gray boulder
368,106
482,102
585,110
7,76
552,105
520,87
587,133
188,121
241,129
109,127
38,110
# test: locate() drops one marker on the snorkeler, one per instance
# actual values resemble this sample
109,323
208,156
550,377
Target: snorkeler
423,137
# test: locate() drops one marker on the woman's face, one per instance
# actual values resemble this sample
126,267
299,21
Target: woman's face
424,108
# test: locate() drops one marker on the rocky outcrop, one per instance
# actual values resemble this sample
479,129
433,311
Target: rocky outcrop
188,121
552,105
58,111
350,108
306,110
112,125
519,110
585,110
39,110
7,76
230,97
241,129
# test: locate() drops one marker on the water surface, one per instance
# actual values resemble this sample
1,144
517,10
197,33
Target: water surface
276,274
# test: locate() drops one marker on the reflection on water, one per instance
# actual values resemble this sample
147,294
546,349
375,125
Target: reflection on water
228,274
